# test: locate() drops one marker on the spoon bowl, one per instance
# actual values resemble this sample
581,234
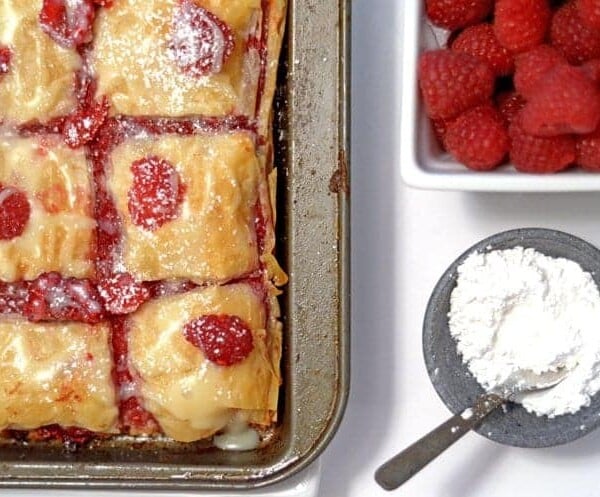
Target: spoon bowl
530,381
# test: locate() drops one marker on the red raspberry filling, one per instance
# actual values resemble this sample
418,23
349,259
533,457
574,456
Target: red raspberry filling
68,22
156,194
260,226
12,297
134,417
224,339
52,298
81,127
122,294
71,437
5,58
14,212
200,42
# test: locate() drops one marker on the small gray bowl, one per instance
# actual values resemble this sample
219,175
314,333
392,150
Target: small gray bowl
455,384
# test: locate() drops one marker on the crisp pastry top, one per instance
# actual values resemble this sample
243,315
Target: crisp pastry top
58,230
177,57
209,235
39,77
190,396
136,217
56,373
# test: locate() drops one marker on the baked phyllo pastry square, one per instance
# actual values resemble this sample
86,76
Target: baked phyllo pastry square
38,65
56,373
202,358
178,57
187,206
46,209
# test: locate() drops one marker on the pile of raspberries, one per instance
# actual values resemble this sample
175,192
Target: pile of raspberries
518,82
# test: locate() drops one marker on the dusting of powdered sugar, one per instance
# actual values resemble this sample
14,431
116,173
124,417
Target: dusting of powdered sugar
518,310
188,44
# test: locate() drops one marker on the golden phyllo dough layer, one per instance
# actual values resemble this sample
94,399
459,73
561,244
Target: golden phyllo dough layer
136,69
213,237
59,235
56,374
41,80
191,397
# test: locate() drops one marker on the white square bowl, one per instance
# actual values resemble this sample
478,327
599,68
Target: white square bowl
424,165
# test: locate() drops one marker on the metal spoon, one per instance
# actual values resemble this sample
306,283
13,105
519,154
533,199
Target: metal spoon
411,460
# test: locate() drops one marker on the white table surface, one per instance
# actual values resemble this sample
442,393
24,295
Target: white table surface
403,239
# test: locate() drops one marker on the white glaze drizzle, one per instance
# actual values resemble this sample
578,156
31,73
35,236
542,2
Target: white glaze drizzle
237,436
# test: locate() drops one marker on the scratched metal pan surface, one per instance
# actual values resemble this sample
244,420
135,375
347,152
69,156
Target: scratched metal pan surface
311,152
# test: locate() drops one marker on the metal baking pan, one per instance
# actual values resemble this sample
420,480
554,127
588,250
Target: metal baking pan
311,153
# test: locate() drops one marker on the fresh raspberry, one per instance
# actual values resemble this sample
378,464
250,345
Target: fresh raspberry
81,126
509,104
68,22
439,127
122,294
14,212
53,298
588,150
521,24
539,154
481,42
201,43
456,14
589,12
224,339
530,66
5,58
567,101
156,193
572,37
591,68
453,82
478,138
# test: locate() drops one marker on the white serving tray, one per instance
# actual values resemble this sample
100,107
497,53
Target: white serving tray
424,165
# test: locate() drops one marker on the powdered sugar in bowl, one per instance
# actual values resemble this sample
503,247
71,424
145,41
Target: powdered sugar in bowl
521,300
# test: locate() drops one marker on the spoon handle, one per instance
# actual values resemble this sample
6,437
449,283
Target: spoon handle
411,460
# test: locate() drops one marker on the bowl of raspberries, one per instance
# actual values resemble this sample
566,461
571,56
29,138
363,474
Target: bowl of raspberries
501,95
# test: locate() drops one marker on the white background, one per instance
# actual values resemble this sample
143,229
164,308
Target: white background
403,239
